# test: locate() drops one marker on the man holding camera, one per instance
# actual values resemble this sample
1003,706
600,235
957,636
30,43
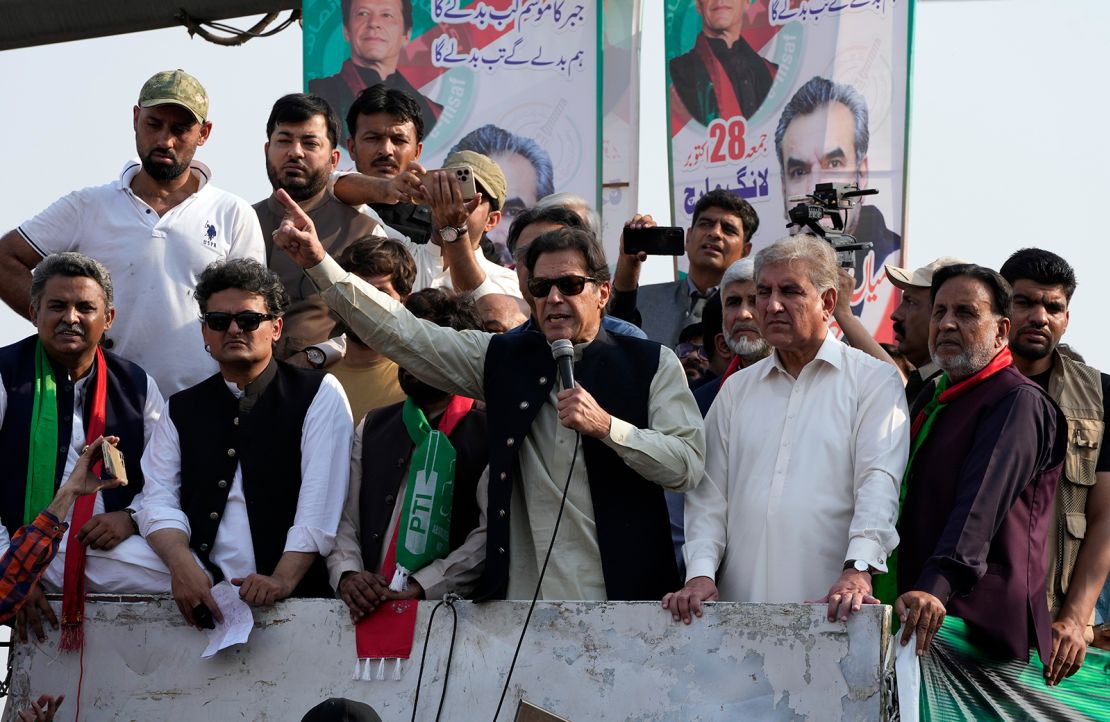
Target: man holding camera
720,234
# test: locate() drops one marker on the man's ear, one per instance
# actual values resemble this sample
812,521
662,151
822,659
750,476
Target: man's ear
1003,331
828,302
720,347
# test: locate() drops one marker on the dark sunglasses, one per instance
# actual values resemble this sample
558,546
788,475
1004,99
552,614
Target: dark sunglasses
685,349
247,321
567,285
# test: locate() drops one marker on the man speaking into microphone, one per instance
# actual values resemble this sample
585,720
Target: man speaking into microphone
627,430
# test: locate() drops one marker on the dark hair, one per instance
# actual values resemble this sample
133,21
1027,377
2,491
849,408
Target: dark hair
820,91
712,323
569,239
1040,266
1001,293
490,140
552,214
445,308
381,99
374,256
406,13
247,275
730,203
300,107
71,265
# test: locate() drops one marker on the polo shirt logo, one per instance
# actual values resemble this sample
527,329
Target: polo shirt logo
209,239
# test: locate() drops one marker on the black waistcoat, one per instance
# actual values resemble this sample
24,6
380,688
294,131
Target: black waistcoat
215,436
633,528
386,450
123,418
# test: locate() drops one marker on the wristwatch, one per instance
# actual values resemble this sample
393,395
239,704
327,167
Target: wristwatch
450,234
859,565
315,356
131,515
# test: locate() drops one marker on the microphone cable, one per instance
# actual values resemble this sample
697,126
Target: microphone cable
539,582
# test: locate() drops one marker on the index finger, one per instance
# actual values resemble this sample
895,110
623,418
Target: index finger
295,211
415,167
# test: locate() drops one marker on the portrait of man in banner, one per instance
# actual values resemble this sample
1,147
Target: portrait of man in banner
377,31
721,76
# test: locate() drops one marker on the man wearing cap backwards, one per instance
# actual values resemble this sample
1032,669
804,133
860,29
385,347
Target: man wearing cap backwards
155,228
911,322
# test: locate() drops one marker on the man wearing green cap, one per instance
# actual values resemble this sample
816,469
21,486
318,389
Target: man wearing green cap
155,229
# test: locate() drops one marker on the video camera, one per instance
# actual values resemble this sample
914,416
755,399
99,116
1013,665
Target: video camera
833,200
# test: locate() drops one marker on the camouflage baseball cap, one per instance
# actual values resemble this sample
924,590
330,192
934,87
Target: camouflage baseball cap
487,173
175,87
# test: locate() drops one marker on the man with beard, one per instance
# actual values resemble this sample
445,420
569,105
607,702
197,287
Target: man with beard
722,76
301,153
739,329
1079,536
372,510
979,487
156,229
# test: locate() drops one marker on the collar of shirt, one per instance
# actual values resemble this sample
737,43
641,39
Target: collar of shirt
928,370
695,293
830,352
132,167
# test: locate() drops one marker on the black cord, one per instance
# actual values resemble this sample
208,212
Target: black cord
449,600
539,582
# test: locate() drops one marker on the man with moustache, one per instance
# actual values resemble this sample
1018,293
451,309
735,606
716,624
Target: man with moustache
807,495
986,453
629,411
911,321
156,228
722,76
373,509
720,233
301,153
1079,535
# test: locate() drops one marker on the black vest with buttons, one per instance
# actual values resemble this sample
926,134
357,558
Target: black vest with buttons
633,528
215,437
125,403
386,451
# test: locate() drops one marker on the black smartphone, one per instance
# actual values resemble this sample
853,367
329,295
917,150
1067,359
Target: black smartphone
203,617
657,241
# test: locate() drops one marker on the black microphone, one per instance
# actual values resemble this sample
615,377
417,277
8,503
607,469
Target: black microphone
563,351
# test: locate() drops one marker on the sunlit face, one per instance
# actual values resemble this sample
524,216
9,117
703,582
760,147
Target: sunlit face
821,148
376,32
964,333
741,329
300,157
911,325
166,139
528,234
236,347
382,145
1039,319
716,240
721,15
574,317
71,317
793,315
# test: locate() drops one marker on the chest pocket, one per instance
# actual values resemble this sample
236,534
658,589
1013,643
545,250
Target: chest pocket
1084,444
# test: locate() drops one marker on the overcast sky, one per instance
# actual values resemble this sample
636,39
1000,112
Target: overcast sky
1008,144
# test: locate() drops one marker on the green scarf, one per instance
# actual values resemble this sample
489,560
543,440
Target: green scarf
424,526
43,453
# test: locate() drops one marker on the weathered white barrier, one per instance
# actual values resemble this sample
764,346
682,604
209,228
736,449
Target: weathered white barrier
580,660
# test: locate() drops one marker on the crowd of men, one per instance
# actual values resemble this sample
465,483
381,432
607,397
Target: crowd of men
719,441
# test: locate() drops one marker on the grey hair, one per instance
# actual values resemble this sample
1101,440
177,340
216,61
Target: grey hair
820,91
818,255
73,265
573,202
739,271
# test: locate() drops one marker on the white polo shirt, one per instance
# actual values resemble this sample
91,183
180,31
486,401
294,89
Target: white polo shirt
154,262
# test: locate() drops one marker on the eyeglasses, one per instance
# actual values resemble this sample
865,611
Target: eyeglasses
247,321
568,285
690,349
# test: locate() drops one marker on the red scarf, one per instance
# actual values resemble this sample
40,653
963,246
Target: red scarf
73,584
947,395
727,104
388,631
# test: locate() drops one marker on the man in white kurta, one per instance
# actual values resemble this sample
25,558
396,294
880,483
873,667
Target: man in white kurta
804,455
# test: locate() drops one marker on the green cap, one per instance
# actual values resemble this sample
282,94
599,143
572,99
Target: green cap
175,87
487,173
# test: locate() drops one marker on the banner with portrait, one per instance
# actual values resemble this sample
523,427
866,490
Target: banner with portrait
517,80
768,98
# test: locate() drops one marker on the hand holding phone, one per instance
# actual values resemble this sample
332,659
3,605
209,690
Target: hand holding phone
655,240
